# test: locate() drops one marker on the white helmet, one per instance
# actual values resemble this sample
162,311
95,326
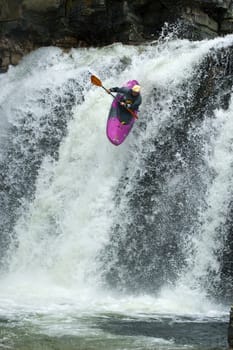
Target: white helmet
136,88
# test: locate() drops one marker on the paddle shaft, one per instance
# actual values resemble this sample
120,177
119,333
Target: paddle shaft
129,110
109,92
96,81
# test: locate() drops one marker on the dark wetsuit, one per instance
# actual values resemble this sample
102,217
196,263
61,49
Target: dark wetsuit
133,102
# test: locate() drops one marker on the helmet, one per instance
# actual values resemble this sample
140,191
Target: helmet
136,88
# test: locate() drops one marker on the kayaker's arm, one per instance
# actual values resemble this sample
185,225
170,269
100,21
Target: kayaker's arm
136,103
121,90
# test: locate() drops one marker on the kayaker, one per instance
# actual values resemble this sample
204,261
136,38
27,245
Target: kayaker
130,99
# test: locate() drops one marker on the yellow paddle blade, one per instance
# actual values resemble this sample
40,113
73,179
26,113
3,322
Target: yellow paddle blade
96,81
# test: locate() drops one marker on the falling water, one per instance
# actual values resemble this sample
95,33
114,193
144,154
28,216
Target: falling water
98,239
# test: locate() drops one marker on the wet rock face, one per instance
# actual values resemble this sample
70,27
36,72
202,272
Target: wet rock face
28,24
230,330
41,5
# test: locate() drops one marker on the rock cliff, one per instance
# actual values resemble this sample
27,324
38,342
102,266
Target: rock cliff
28,24
230,330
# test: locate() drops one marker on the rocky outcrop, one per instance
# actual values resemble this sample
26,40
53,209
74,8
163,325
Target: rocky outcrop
230,330
28,24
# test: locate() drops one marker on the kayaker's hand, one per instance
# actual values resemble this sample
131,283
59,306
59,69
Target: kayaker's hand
122,103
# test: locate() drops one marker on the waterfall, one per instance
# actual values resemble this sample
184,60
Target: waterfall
82,218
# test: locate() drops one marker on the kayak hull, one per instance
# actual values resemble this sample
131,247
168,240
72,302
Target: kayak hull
115,130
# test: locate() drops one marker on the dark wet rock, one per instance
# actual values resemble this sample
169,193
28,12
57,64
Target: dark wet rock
28,24
230,330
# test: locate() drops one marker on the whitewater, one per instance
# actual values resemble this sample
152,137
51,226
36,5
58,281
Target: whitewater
54,265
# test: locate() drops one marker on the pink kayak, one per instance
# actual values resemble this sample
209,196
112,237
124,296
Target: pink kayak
116,130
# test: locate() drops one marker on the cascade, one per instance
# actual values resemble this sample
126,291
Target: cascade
84,216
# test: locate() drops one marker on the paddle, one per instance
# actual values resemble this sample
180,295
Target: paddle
96,81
